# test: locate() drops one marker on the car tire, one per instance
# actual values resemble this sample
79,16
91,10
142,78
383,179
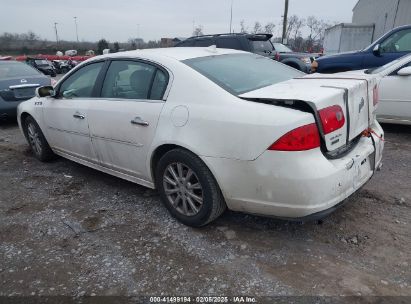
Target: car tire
37,141
191,193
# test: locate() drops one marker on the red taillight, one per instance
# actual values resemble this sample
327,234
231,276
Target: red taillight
375,96
332,118
277,56
300,139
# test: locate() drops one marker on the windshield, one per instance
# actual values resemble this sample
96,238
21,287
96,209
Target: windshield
262,46
386,66
279,47
241,73
16,69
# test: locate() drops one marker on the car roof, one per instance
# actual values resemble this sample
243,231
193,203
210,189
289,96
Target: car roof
177,53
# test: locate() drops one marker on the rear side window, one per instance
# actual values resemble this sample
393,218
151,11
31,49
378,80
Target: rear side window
204,42
134,80
159,85
241,73
229,43
128,80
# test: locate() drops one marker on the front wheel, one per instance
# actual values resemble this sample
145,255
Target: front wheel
37,141
188,189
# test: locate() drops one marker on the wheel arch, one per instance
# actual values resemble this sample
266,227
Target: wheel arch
162,149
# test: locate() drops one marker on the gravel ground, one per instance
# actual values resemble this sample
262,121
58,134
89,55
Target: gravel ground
69,230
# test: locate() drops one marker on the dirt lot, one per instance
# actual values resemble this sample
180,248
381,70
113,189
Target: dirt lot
69,230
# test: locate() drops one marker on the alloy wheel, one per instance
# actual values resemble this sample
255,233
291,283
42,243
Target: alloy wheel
34,138
183,189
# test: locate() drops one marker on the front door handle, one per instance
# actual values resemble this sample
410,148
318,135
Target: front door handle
78,115
140,122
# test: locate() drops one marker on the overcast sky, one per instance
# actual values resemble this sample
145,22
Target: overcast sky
118,20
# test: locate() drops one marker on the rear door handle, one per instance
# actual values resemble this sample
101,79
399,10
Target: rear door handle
140,122
78,115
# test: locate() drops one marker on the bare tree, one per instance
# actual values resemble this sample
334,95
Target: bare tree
257,27
269,28
244,28
198,30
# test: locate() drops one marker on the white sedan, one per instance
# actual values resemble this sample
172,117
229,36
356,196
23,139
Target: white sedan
394,90
213,128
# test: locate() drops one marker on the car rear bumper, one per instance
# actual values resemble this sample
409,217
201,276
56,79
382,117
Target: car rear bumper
296,184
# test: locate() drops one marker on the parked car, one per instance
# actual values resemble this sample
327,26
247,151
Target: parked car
297,60
61,66
392,45
18,82
70,53
253,43
394,90
213,128
43,65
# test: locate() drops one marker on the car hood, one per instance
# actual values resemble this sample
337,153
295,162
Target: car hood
339,55
300,55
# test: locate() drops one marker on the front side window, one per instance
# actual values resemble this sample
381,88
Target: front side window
134,80
241,73
398,42
82,82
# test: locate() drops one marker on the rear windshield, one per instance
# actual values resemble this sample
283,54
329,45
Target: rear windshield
16,69
262,46
241,73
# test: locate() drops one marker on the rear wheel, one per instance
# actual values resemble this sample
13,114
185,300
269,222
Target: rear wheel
37,141
188,189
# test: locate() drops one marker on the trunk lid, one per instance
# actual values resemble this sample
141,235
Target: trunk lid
21,88
354,94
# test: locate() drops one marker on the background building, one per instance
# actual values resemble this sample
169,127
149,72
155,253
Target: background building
384,14
371,19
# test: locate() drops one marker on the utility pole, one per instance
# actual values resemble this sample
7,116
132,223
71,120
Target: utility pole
75,22
57,36
285,21
231,16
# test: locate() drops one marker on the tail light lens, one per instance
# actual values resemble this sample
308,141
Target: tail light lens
277,56
375,96
300,139
332,118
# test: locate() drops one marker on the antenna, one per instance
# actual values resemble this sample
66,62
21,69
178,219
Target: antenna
231,16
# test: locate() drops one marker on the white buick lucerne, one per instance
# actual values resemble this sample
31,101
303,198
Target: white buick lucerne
213,129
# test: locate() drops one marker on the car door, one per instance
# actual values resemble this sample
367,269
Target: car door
395,96
123,120
393,47
66,114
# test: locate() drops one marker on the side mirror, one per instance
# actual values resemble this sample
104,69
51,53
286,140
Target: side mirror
405,71
45,91
377,50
